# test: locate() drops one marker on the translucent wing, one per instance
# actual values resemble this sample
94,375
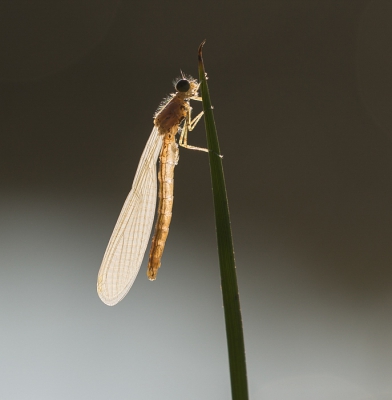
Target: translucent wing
127,245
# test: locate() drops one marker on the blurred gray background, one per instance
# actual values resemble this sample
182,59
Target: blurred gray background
302,92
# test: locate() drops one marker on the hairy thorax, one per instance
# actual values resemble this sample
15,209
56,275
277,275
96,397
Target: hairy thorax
172,114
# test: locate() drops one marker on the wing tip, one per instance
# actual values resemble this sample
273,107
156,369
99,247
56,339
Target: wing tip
111,300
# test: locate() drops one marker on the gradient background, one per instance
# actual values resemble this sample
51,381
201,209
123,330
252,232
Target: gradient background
303,96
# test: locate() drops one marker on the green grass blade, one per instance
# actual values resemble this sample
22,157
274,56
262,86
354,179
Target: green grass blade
231,300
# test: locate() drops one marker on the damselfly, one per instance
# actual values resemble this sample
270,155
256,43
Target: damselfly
127,245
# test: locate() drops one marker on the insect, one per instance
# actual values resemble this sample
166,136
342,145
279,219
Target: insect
127,245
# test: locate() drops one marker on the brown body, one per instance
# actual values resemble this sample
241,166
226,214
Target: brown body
167,120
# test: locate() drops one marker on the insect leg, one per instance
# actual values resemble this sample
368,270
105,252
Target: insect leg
189,125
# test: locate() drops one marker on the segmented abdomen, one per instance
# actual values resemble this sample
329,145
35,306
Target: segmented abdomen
168,161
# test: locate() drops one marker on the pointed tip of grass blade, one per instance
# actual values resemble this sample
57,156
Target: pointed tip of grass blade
200,52
212,138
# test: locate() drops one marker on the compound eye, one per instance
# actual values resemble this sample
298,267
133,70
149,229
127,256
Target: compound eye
183,85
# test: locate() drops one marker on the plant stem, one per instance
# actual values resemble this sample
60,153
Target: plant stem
230,294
